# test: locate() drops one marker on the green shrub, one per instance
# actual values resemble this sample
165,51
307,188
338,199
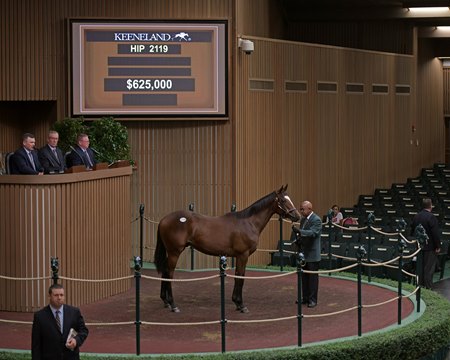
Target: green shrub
68,130
107,136
110,138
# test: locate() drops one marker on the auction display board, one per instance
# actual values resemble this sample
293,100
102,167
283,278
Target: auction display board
141,69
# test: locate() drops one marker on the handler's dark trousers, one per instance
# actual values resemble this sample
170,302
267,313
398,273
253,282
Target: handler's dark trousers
310,282
429,267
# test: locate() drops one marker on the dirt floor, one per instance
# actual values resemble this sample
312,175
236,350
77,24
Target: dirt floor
199,301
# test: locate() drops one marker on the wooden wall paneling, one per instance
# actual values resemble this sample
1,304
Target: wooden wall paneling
33,57
446,88
259,18
4,232
355,126
430,121
176,166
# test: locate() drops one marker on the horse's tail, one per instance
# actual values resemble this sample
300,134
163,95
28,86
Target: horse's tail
160,258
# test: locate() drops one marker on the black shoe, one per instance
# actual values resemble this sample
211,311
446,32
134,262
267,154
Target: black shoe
304,302
312,304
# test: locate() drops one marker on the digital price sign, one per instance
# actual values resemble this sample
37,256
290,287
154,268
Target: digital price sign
143,69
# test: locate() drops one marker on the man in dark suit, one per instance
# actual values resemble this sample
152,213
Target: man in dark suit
51,157
308,239
81,154
51,327
25,159
432,246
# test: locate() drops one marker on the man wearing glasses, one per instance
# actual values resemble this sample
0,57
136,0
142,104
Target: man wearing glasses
81,154
308,239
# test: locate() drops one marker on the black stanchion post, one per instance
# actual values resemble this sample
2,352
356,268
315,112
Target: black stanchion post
223,320
360,254
191,208
300,263
54,264
141,229
421,237
333,231
137,276
401,246
370,222
280,220
233,209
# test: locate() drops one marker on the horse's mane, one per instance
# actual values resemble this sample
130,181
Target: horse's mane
255,207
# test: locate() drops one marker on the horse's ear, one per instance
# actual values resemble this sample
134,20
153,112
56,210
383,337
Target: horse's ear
280,190
285,187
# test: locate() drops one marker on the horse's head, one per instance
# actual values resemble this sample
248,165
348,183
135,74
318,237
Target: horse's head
285,207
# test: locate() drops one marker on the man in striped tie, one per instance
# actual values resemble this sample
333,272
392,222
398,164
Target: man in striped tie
25,160
51,327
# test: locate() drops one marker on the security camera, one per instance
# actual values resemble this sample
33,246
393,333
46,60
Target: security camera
247,46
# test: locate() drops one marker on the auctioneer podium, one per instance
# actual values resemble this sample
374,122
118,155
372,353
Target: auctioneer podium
83,218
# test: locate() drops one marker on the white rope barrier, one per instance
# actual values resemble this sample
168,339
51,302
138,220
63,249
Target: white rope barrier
261,277
377,263
16,322
111,323
25,279
262,320
97,280
330,314
233,321
180,280
373,263
181,324
381,303
151,221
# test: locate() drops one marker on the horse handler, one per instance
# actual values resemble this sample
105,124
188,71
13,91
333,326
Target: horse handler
308,240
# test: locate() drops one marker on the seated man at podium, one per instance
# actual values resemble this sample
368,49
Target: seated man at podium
51,156
81,154
25,160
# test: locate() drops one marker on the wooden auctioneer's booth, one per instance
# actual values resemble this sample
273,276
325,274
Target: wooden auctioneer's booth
82,218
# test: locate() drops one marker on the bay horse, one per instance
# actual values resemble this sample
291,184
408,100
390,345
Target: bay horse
235,234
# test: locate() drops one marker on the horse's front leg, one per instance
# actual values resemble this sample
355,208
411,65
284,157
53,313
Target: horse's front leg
239,284
237,295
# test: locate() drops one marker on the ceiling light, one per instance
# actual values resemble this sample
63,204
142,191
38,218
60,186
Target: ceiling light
427,10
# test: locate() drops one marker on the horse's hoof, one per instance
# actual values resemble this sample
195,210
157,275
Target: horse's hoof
242,309
175,309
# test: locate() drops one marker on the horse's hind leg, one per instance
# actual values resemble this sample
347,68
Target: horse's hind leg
166,286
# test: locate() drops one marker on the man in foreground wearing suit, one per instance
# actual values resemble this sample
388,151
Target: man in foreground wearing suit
25,159
308,239
51,327
51,157
81,154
